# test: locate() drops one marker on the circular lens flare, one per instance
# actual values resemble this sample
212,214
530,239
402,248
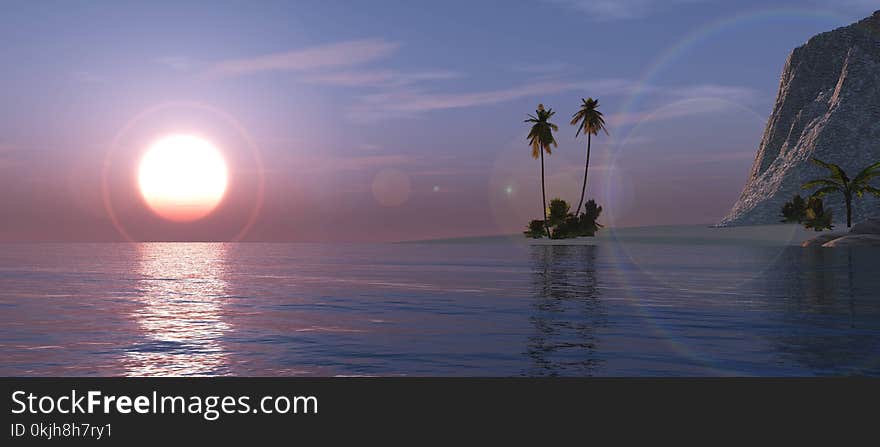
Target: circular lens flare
182,177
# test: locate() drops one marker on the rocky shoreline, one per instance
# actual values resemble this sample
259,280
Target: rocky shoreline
862,234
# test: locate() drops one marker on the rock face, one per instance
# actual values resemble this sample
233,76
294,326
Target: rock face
828,107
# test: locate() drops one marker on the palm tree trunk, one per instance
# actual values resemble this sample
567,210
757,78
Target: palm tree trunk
586,171
543,195
848,212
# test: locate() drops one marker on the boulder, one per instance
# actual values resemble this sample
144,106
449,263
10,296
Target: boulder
855,240
821,239
870,226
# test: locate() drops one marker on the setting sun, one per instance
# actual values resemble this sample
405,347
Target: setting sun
182,177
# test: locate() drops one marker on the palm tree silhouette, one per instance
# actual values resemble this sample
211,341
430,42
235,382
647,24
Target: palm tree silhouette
540,139
589,120
839,182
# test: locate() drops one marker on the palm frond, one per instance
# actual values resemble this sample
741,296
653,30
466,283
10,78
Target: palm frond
868,173
826,190
588,118
540,135
822,182
872,190
836,171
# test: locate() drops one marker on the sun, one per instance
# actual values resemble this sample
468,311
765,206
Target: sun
182,177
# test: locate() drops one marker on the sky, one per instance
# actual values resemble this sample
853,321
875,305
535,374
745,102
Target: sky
386,120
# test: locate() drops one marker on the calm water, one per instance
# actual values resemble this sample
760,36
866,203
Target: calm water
435,309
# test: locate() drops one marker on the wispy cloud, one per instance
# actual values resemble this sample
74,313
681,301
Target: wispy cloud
378,78
329,56
737,94
419,101
850,6
359,162
679,102
396,94
13,156
4,157
177,63
690,158
543,68
413,100
608,10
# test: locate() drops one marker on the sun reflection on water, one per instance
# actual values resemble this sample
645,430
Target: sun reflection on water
181,311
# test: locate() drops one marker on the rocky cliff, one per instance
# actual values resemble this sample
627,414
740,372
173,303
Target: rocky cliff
828,107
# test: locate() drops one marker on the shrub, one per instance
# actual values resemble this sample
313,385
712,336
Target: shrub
816,217
559,210
567,228
794,211
535,229
589,224
563,224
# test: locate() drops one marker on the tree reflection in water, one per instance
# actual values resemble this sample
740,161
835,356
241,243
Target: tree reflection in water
818,287
567,311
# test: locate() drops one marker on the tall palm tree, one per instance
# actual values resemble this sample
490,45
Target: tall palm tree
839,182
540,139
589,120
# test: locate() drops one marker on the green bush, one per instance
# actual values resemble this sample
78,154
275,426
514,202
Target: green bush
589,224
816,217
563,224
794,211
559,210
811,213
535,230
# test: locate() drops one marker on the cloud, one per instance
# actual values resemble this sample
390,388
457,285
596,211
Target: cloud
738,94
690,158
409,101
418,101
679,102
615,10
543,68
355,163
666,112
329,56
11,155
853,6
177,63
326,162
609,10
378,78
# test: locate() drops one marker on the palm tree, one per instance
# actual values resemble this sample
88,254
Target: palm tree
589,120
540,139
839,182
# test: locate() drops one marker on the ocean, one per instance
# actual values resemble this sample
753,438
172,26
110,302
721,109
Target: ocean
638,308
